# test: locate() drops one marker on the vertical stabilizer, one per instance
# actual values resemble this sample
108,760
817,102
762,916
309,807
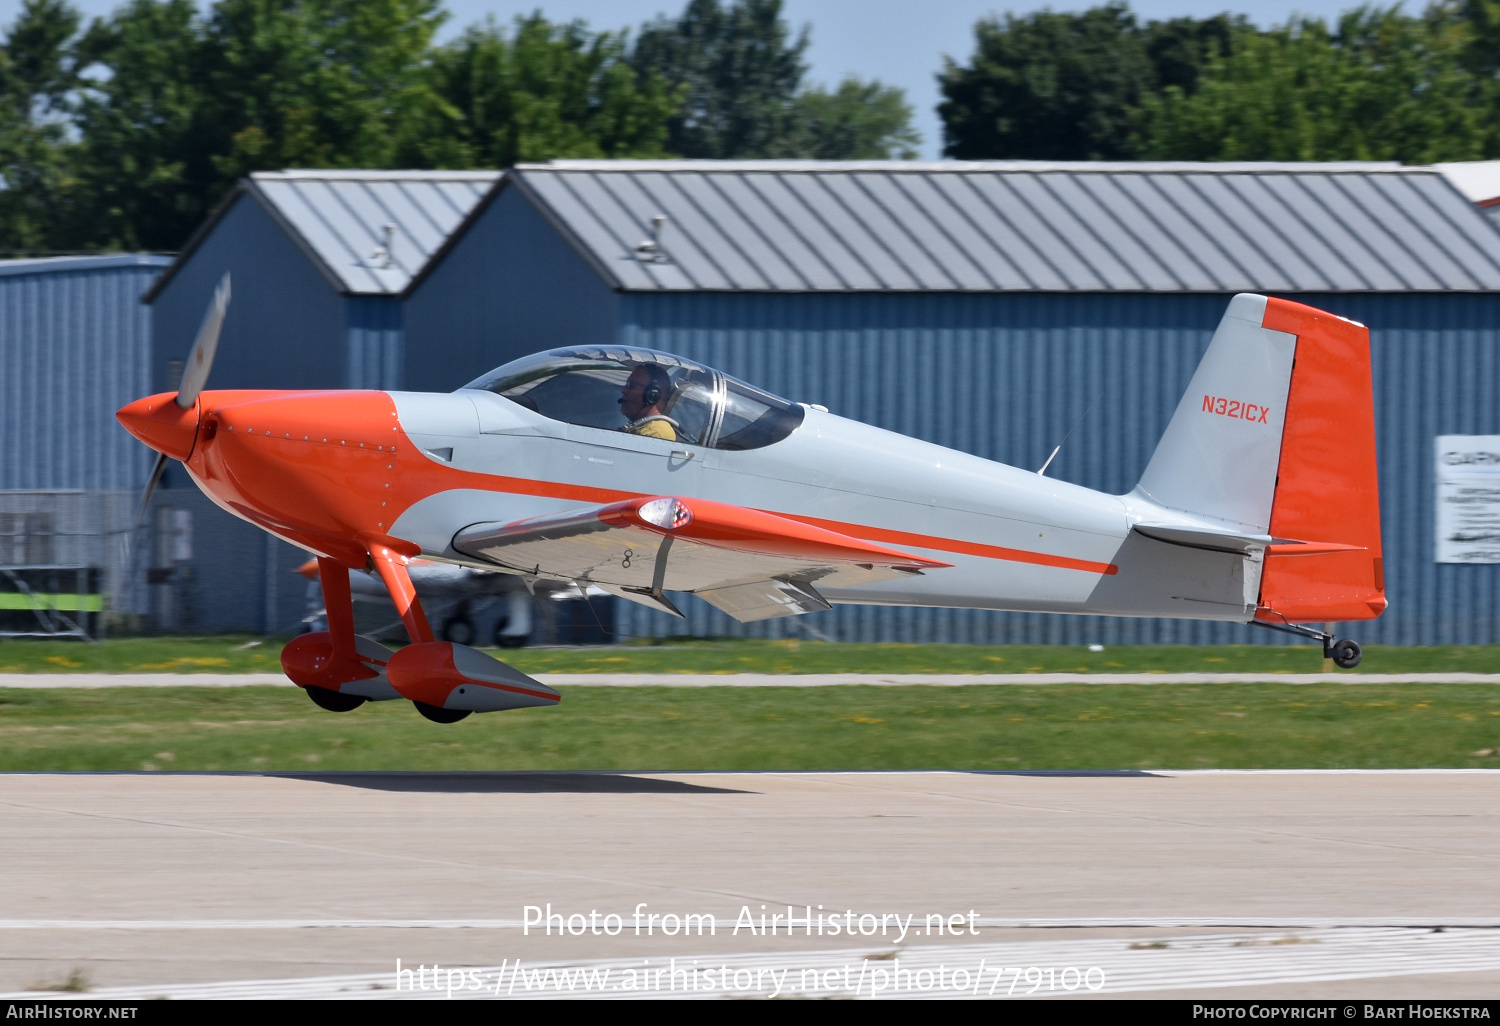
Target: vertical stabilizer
1327,495
1275,441
1219,455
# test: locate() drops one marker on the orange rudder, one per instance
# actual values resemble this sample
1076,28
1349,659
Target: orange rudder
1326,488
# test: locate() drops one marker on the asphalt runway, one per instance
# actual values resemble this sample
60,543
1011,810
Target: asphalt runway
1198,884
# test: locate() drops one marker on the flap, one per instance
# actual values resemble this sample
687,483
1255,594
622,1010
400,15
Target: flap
765,600
676,544
644,597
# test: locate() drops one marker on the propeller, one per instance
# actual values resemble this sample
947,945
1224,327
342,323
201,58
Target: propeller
201,358
200,361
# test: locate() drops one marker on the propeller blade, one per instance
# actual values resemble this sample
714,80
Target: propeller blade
201,358
151,483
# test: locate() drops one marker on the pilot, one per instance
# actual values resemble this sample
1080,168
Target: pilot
641,399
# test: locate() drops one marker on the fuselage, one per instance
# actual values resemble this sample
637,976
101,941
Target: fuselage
329,471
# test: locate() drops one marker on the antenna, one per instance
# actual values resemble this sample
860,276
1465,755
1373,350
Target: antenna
649,251
383,256
1058,449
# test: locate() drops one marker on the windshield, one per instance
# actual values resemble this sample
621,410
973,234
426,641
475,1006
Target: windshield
645,392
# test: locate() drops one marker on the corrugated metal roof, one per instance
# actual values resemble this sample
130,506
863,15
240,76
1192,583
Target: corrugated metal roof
342,217
1478,180
1019,226
58,265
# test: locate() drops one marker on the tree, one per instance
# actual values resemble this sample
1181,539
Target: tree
1179,48
546,91
1047,86
316,83
1481,59
127,134
144,163
858,121
37,73
1384,86
739,70
181,105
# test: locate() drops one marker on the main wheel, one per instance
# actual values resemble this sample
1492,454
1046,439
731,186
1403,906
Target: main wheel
459,630
333,701
440,715
1347,654
503,640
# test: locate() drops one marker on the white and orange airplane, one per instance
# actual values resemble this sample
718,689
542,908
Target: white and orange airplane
643,473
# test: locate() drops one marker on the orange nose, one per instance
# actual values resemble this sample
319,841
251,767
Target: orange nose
158,421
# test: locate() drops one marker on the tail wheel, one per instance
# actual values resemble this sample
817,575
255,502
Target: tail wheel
333,701
459,630
1347,654
439,715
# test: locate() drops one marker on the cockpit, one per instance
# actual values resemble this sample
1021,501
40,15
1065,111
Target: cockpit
645,392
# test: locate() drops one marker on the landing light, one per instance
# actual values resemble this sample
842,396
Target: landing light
667,513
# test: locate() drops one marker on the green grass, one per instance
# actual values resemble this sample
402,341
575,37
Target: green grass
1365,725
250,655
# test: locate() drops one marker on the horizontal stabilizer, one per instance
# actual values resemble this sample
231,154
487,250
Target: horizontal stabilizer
1229,541
1205,538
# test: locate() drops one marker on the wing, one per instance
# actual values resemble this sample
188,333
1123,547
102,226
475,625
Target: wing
750,564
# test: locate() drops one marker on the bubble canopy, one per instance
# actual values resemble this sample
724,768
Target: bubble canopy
585,385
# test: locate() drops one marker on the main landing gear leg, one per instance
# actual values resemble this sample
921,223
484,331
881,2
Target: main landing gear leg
322,663
1345,652
391,566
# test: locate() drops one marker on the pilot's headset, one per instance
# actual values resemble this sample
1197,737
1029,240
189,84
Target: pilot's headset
656,388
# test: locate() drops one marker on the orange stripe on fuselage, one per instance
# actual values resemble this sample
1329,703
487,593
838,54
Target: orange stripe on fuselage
952,545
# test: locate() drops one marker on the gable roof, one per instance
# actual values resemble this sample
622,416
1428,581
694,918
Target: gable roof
1018,226
340,218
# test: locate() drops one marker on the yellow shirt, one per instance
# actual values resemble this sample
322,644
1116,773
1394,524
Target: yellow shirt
656,427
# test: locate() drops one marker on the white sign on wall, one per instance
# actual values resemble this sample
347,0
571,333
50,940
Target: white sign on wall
1468,499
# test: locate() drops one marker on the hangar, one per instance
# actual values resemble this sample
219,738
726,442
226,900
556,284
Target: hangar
75,344
1001,308
998,308
322,264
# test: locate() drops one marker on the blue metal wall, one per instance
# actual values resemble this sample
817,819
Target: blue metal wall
1006,376
75,346
377,352
287,327
510,286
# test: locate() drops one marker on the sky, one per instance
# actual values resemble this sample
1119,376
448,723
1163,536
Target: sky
899,42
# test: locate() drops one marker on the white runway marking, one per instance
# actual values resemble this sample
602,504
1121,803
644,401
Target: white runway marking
1113,966
766,680
727,924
